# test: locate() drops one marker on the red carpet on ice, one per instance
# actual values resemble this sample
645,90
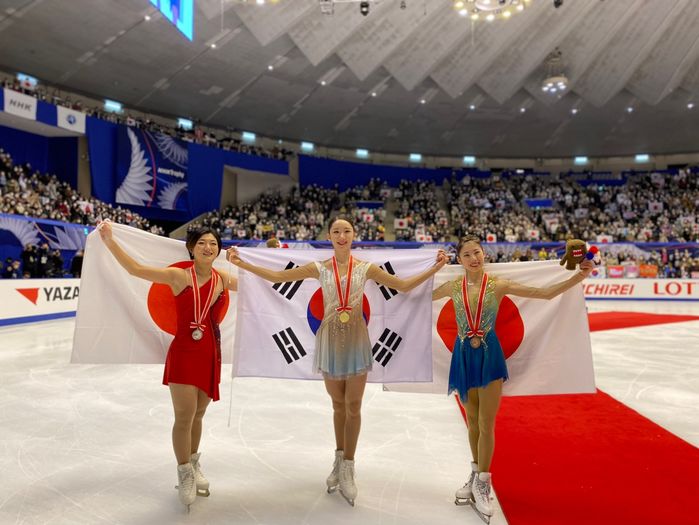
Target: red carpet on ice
590,460
613,320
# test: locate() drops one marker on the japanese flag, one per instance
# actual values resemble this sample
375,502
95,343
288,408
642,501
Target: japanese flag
546,343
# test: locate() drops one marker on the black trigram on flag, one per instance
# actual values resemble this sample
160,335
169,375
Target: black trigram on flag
289,289
289,345
386,347
388,293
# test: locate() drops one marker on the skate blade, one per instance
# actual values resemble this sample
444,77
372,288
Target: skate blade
472,504
350,501
481,515
204,493
332,489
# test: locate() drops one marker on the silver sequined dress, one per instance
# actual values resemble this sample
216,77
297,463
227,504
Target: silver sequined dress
342,349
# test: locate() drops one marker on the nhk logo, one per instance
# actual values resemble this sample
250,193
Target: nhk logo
51,294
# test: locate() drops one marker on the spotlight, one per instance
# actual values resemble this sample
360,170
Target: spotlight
557,3
364,8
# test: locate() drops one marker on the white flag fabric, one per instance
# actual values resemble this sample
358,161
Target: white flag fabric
546,343
277,322
124,319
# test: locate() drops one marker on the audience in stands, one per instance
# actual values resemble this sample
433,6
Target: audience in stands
24,191
299,215
197,135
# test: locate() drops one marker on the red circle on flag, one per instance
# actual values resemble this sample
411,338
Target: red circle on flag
161,303
316,310
509,326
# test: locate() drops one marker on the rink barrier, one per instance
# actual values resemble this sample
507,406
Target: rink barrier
33,300
642,289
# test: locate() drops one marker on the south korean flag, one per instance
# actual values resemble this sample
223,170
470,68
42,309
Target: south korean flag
277,323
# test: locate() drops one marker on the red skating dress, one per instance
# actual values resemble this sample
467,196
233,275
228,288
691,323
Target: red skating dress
191,362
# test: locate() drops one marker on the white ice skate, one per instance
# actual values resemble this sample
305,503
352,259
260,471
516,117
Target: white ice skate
348,489
201,482
186,487
464,495
481,496
334,478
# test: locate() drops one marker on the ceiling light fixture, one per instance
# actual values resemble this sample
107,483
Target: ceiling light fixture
489,10
555,81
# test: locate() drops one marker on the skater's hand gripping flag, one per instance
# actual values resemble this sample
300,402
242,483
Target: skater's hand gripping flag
276,323
124,319
546,343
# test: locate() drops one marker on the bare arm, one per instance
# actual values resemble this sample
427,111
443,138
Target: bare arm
307,271
173,277
229,282
442,291
405,285
548,292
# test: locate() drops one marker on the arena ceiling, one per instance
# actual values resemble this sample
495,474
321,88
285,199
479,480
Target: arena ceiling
617,54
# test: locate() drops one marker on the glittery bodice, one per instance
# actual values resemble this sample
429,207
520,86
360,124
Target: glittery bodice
490,308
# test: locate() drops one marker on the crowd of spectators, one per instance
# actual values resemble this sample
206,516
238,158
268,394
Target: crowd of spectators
366,205
24,191
196,135
297,215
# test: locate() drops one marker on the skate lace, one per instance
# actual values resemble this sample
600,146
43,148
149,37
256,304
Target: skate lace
471,478
187,479
483,488
197,470
347,473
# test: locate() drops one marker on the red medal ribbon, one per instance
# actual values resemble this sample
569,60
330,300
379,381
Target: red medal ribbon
344,299
475,329
199,312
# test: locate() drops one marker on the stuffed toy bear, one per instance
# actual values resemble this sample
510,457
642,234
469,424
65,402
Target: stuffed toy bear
576,250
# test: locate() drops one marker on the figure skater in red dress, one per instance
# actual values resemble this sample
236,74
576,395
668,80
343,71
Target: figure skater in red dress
193,363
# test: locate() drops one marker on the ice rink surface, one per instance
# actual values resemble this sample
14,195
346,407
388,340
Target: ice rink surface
90,444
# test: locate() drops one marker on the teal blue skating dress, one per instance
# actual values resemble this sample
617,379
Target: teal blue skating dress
475,367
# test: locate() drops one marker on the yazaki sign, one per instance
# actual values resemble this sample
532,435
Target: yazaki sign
32,299
658,289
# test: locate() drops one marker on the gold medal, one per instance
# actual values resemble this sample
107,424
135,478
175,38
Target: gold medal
343,298
475,342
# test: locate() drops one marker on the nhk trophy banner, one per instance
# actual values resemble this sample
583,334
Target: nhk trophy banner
546,343
275,334
124,319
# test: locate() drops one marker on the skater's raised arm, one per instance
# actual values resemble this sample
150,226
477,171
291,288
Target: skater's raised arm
442,291
505,287
170,276
307,271
405,285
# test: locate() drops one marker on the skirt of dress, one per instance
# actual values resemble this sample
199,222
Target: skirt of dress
476,367
343,350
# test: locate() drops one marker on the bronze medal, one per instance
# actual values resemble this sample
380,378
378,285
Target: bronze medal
475,333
